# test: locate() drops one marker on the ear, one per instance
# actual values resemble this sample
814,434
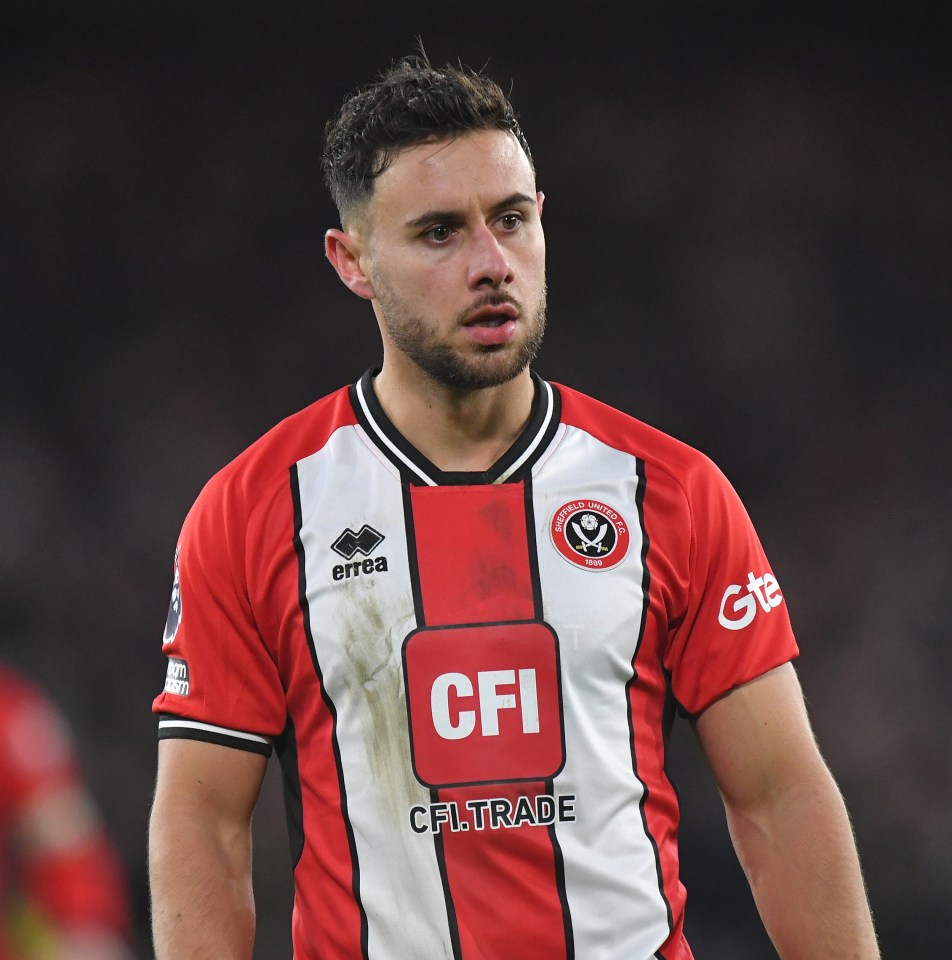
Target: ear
344,252
540,200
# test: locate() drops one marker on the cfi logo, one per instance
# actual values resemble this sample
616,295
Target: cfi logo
590,534
174,617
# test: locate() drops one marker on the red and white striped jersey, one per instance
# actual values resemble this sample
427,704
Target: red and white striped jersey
469,678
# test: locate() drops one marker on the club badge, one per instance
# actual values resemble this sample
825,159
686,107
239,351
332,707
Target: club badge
590,534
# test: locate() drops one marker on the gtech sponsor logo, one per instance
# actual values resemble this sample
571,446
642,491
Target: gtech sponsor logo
762,593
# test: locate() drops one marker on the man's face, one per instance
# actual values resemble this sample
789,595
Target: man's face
455,253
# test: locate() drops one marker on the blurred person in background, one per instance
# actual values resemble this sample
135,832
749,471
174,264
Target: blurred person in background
463,605
62,887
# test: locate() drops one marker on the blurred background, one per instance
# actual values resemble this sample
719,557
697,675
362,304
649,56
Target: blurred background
748,222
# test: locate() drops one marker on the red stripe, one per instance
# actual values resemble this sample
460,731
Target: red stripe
503,883
473,562
472,554
647,699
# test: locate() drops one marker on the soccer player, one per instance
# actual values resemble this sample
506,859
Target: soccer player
61,884
463,605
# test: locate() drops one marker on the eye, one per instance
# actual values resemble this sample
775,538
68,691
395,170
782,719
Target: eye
440,233
510,221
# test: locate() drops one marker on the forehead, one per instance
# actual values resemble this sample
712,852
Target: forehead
477,169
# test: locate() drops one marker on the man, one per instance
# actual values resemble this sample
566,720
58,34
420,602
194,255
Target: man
462,604
61,884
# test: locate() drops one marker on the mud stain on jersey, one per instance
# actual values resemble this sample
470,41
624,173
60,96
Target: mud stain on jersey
373,650
492,580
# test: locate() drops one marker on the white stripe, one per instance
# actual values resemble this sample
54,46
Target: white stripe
359,647
386,439
609,864
211,728
535,443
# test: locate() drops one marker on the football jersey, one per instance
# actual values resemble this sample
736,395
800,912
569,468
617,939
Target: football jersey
469,678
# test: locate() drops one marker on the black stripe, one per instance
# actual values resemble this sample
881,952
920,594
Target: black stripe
646,597
211,736
533,547
569,933
306,615
287,753
451,918
413,562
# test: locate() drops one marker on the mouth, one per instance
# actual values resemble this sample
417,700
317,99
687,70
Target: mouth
492,325
492,316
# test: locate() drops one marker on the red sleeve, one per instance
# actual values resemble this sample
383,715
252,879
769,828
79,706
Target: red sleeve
222,683
735,624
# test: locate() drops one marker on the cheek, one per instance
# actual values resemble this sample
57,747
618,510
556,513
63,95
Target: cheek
408,280
424,286
533,262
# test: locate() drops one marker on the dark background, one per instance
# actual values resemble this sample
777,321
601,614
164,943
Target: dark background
748,220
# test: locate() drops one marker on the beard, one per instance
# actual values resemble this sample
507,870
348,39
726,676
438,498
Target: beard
484,366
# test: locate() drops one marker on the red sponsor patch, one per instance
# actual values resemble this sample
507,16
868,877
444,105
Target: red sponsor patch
484,703
590,534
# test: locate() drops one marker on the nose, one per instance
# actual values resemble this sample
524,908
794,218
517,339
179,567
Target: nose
489,261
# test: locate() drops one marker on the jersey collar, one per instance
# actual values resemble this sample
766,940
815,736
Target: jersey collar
417,469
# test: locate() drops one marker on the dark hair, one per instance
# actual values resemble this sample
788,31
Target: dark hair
411,103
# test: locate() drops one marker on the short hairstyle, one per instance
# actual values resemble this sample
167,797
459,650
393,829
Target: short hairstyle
410,103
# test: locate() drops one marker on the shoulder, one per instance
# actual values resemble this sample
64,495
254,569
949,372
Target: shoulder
661,454
265,464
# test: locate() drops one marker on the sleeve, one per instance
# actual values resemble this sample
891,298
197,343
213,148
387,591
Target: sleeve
735,625
222,683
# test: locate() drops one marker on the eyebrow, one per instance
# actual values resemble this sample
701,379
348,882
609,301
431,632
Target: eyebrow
453,217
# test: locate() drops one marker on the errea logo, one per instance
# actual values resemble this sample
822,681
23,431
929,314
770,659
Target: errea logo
763,593
349,544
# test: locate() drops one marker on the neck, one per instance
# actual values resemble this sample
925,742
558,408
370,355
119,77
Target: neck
457,430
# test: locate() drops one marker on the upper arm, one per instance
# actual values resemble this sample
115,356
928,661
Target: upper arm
205,784
200,850
758,741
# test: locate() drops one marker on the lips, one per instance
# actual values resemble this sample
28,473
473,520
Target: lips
492,315
493,325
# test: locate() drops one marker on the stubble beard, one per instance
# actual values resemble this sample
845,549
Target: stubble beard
487,366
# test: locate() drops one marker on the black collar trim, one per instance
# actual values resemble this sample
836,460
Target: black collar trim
415,468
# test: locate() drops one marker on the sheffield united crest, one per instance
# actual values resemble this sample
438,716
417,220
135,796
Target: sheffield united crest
590,534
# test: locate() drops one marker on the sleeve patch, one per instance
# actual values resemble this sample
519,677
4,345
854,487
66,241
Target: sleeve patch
176,677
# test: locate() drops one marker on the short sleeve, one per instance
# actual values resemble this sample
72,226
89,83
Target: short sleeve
736,626
222,683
